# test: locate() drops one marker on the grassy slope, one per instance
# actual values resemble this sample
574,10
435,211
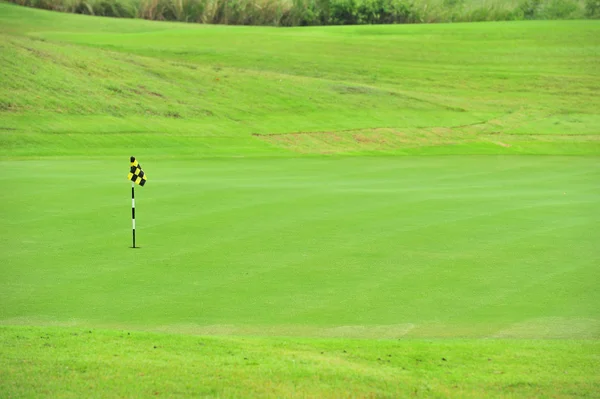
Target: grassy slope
369,247
214,86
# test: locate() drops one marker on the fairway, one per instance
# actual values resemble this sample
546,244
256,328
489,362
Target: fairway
352,211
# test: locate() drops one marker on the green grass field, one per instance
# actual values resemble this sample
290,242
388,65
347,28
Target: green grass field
330,212
471,247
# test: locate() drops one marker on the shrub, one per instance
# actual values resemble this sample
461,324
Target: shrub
307,13
189,10
343,12
384,12
82,7
592,8
529,8
156,10
558,9
112,8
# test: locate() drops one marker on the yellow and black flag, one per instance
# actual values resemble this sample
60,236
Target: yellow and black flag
136,174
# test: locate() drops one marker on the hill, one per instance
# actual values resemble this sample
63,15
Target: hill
520,87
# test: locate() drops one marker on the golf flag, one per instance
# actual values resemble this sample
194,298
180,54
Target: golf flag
136,174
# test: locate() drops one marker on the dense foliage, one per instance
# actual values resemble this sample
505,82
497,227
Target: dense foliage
325,12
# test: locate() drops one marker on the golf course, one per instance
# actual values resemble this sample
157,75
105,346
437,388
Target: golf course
376,211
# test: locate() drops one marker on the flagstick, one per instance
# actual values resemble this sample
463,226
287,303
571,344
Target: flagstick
133,210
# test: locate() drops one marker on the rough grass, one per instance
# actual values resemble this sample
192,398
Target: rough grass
76,362
214,85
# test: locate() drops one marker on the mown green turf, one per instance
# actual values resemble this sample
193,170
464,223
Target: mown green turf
77,362
247,229
417,246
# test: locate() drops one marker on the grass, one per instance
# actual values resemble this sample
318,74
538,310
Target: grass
180,85
428,247
298,202
77,362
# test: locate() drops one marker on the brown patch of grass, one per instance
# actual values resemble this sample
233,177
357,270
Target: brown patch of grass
361,138
390,139
144,90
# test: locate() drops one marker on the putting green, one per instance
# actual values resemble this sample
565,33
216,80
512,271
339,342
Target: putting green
415,246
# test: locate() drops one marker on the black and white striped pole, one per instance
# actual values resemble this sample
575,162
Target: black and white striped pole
133,211
137,176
